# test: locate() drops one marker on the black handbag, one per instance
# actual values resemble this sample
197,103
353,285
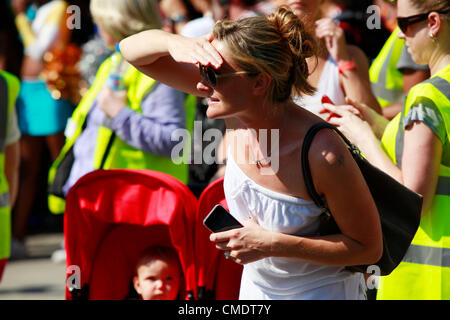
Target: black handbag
399,207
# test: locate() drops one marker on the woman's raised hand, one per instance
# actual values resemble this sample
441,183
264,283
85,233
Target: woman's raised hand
194,50
334,38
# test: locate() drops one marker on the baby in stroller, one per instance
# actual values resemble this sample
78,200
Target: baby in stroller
159,275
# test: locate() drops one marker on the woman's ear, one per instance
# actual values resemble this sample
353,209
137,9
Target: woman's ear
261,84
434,23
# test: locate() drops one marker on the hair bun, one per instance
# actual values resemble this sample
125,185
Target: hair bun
301,43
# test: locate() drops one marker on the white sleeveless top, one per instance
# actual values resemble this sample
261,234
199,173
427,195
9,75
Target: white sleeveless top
284,278
329,85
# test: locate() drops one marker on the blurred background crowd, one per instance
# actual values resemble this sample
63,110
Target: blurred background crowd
63,52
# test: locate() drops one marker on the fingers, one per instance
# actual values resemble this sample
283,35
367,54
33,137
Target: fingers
224,236
333,109
326,27
335,121
206,53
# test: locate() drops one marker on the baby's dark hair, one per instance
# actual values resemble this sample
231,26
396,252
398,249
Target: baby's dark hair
165,253
277,45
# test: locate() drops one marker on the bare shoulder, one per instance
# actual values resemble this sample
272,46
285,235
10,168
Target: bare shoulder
331,163
327,150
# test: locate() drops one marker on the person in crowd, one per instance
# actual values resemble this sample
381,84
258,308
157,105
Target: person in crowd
415,150
393,72
159,275
235,10
361,21
9,158
177,13
42,106
339,70
126,119
249,69
12,49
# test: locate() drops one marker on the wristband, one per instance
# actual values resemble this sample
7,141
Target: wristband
346,66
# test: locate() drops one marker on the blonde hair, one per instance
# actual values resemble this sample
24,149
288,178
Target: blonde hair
123,18
277,45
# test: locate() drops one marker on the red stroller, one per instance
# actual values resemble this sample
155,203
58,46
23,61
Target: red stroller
217,277
114,215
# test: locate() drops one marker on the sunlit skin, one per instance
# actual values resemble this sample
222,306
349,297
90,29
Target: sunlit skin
157,280
241,101
417,30
231,96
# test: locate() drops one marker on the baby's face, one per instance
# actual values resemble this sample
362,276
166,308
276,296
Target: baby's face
157,280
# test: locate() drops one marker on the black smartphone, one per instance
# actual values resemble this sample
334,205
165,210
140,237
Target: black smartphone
219,219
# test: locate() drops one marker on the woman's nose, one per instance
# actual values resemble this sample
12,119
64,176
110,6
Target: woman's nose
203,87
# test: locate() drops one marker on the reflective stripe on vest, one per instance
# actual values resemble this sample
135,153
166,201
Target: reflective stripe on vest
379,87
443,186
386,80
433,256
4,199
440,84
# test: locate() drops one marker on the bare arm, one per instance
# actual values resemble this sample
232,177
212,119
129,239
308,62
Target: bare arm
356,82
337,176
422,151
169,58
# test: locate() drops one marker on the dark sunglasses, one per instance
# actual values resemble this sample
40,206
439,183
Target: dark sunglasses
405,22
210,76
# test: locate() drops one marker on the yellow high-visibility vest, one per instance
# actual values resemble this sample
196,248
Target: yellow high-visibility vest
385,79
9,89
424,272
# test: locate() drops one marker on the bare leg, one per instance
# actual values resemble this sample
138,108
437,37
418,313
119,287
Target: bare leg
31,153
55,142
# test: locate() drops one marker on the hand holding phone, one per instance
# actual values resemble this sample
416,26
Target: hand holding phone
219,219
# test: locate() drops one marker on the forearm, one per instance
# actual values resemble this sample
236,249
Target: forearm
389,112
145,133
357,88
335,250
372,151
378,125
138,51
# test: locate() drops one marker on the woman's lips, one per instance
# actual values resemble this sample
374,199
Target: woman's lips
297,5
